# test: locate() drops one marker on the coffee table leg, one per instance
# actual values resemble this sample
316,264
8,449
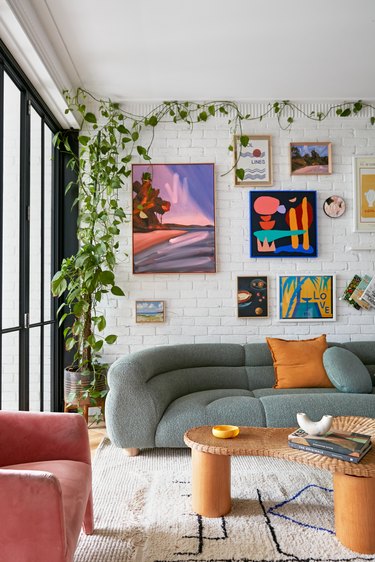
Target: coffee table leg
354,499
211,484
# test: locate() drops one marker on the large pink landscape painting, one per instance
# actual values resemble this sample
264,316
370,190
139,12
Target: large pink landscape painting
173,218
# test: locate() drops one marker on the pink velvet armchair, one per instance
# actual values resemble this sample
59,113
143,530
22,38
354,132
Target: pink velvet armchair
45,486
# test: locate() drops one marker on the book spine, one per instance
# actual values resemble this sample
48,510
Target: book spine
330,446
325,452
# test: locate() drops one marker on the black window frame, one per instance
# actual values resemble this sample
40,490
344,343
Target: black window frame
63,235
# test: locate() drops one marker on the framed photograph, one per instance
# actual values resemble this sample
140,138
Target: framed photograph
149,311
173,218
306,298
252,297
253,160
283,224
364,193
310,158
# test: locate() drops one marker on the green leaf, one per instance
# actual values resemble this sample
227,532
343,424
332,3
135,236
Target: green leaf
240,173
83,140
123,130
117,291
338,111
70,343
290,120
372,120
211,110
244,140
111,339
101,323
107,277
230,148
153,121
62,319
357,106
135,136
223,110
346,112
183,114
90,117
141,150
202,116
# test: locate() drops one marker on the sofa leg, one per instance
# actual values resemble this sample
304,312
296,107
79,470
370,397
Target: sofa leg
133,452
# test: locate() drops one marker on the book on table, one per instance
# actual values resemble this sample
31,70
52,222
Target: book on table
345,445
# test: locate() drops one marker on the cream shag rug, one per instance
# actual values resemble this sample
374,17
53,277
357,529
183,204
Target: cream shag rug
281,512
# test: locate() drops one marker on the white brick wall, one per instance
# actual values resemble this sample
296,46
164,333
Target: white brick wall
202,307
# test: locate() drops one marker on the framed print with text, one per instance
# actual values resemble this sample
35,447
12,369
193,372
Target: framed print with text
253,160
306,298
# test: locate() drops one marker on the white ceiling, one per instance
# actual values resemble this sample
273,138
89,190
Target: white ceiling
211,49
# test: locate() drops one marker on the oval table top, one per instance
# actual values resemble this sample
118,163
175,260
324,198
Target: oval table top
273,442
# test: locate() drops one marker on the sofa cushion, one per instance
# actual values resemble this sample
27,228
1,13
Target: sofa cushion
299,363
260,392
74,478
211,407
346,371
281,410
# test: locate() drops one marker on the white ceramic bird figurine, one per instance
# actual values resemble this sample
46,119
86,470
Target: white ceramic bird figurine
314,428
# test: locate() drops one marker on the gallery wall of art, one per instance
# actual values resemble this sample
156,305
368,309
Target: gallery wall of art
219,259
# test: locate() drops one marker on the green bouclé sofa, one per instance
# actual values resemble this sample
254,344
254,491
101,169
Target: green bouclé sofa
156,394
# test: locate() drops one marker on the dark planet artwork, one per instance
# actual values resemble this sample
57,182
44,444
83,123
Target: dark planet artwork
252,297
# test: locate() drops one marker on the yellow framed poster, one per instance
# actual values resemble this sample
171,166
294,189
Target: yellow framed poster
364,193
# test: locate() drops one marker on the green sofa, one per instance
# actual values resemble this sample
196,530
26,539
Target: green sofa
156,394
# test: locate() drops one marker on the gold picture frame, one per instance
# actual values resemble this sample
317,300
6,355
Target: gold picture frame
310,158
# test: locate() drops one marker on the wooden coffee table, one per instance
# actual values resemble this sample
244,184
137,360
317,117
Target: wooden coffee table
353,484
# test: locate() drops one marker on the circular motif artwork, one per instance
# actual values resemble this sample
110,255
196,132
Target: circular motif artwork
334,206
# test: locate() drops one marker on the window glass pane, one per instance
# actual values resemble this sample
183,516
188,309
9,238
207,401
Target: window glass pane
47,367
34,380
11,204
35,216
10,371
48,177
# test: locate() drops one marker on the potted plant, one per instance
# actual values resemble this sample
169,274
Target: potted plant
86,277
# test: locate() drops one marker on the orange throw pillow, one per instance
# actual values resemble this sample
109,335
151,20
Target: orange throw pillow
299,363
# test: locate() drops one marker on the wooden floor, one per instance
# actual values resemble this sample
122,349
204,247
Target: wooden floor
96,434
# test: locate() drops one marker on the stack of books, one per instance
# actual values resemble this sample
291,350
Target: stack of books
343,445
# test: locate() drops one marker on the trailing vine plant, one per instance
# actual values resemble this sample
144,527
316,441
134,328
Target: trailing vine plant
109,139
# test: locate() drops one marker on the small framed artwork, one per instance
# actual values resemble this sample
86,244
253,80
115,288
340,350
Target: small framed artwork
283,224
306,298
173,218
253,160
334,206
149,311
252,297
310,158
364,193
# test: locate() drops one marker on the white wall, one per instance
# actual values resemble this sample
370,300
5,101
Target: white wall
202,307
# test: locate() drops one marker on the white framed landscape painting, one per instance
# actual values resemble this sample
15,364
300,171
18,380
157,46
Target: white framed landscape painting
149,311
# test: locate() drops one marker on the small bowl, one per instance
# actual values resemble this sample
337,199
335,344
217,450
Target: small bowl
225,431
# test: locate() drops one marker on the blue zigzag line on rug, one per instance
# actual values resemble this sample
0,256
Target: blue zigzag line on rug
273,509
